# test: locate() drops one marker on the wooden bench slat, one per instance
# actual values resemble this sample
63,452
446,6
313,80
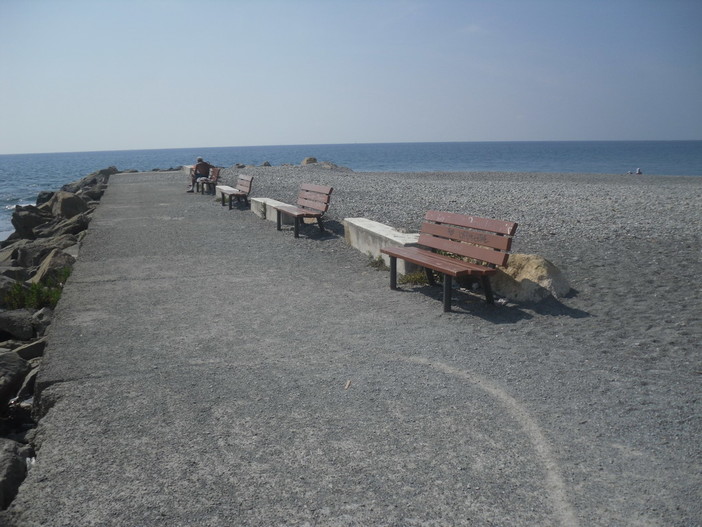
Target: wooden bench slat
438,262
463,249
315,205
313,196
321,189
496,241
487,224
297,211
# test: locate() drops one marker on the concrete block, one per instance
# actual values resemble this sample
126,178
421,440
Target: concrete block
370,236
263,208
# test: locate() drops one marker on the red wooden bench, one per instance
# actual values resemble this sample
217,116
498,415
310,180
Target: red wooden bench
241,191
484,242
312,202
210,181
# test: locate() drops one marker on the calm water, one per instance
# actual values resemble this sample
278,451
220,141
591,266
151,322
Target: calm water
22,176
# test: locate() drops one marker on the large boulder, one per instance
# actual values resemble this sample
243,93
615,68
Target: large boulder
52,266
66,204
59,226
13,470
41,320
13,369
17,323
94,193
309,161
16,273
529,278
32,253
7,285
44,196
96,178
33,350
26,218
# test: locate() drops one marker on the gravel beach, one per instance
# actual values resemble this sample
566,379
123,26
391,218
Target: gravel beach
623,353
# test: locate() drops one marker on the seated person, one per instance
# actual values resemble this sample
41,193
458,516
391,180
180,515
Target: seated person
200,170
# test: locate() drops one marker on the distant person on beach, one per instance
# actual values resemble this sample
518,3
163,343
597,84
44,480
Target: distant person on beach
201,169
638,171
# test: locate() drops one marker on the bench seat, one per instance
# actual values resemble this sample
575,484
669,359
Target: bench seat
438,262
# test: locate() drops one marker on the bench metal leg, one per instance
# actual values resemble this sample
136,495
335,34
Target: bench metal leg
230,202
430,276
297,227
319,222
223,196
393,272
278,219
447,293
488,290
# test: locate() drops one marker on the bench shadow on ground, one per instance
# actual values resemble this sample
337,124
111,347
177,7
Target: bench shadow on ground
473,304
333,230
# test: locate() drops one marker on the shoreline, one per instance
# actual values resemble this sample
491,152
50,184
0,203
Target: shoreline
556,177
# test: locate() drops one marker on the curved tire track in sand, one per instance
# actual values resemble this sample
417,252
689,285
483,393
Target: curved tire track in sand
554,483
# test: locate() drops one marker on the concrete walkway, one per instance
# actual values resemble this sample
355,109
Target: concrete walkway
205,369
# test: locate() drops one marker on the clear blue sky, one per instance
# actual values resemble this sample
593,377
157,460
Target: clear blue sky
81,75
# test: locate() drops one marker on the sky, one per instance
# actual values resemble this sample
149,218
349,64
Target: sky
87,75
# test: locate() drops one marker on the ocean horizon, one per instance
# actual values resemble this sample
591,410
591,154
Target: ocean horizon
23,176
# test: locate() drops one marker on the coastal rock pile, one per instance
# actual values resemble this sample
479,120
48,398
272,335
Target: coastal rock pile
34,262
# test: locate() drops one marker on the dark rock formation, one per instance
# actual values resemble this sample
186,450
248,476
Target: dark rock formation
34,256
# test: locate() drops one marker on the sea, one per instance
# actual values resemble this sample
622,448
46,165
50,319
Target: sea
23,176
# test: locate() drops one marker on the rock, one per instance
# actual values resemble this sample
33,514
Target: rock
44,196
12,344
32,350
13,470
17,323
26,390
32,253
16,273
6,287
96,178
52,266
309,161
59,226
66,204
265,164
529,278
92,193
8,253
13,370
42,320
12,238
26,218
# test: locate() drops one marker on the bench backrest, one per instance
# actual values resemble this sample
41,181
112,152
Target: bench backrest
214,174
481,239
314,197
243,184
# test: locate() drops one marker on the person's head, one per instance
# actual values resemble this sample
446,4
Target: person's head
199,160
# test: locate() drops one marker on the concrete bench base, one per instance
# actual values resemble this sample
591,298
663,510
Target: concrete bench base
265,208
370,236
